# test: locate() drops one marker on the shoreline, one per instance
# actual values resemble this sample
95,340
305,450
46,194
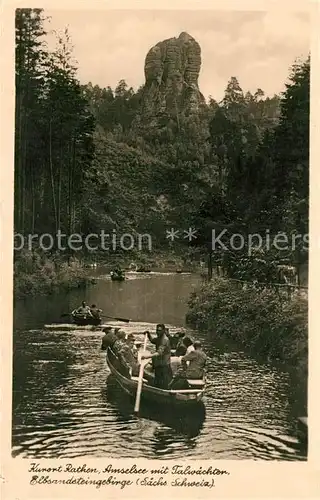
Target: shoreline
270,328
36,273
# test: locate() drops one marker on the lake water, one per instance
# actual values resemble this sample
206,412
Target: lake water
66,405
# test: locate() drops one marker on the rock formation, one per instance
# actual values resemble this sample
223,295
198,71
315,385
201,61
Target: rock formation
172,69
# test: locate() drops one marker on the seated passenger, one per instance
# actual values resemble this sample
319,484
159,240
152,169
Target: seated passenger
181,348
188,344
95,312
194,362
128,355
121,337
108,339
131,343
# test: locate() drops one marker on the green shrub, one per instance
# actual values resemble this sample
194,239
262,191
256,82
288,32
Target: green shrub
262,320
36,272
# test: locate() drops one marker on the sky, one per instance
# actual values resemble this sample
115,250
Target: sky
256,47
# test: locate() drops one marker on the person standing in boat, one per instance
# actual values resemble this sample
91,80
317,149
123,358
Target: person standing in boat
161,359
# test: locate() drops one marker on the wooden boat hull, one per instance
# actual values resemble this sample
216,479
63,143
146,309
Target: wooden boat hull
188,423
129,385
79,321
115,277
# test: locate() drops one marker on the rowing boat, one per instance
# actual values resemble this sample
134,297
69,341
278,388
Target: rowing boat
130,384
85,320
116,276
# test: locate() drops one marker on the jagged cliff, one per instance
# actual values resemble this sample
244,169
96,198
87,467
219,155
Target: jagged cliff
172,69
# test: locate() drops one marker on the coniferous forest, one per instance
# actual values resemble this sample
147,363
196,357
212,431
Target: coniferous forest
90,158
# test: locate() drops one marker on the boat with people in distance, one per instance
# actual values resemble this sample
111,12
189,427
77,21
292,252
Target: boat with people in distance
117,275
149,392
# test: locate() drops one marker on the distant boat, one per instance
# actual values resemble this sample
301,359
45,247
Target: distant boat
117,276
85,320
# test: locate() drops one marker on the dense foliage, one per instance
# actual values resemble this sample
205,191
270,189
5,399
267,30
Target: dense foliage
263,321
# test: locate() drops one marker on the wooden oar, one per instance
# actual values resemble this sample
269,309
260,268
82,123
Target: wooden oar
125,320
141,370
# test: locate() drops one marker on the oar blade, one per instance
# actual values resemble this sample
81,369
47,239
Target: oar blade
124,320
140,381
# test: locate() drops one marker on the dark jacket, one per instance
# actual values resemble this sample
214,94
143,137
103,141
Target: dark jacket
181,349
108,340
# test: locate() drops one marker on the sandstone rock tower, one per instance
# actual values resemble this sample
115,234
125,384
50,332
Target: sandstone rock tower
172,69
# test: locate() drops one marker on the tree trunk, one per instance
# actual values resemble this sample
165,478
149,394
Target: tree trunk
210,265
33,194
59,188
51,176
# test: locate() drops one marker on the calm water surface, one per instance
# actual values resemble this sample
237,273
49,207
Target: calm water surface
66,405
